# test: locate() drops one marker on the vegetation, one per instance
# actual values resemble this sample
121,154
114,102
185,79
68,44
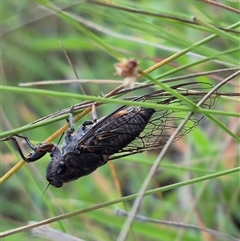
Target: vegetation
197,182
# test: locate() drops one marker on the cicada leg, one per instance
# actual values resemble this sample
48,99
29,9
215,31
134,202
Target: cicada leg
38,151
71,129
90,122
94,114
82,129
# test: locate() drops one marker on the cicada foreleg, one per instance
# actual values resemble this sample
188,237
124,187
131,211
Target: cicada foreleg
38,151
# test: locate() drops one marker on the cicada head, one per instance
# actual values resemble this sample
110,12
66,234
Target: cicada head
72,165
55,168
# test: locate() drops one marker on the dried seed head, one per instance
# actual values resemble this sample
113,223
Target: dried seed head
129,70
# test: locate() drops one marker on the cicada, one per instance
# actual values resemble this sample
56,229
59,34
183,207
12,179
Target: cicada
126,131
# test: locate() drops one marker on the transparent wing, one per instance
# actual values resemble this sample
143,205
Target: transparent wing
164,122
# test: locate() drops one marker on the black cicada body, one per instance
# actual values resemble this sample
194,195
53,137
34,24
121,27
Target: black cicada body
80,157
126,131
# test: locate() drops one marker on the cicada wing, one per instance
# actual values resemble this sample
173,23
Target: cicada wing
104,136
163,123
119,130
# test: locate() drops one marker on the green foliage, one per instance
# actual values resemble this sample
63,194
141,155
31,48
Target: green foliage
96,35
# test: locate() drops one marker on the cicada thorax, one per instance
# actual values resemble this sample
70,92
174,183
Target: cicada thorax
118,130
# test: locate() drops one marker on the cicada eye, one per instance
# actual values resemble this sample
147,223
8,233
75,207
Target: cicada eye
62,168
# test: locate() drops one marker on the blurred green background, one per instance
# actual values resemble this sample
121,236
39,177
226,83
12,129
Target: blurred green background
95,36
